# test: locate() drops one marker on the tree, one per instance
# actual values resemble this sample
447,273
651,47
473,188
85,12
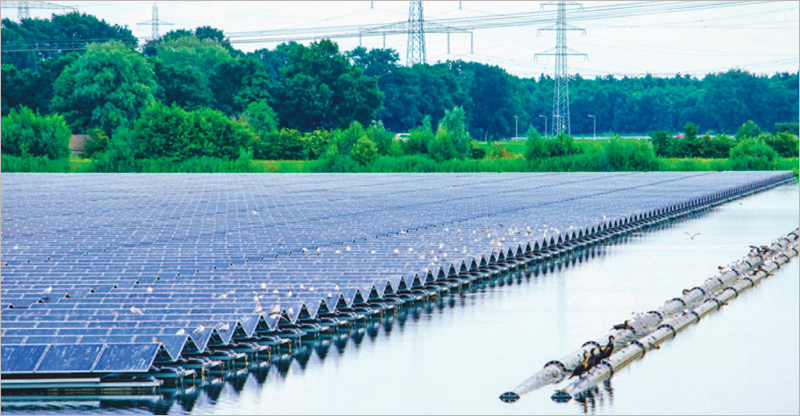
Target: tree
238,82
322,89
785,144
182,85
191,52
107,87
26,133
56,37
261,117
456,130
364,151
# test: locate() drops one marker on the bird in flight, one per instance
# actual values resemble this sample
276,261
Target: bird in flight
692,236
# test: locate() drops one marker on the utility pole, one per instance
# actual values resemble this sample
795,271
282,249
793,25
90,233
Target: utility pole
561,79
415,54
516,128
545,125
595,125
155,22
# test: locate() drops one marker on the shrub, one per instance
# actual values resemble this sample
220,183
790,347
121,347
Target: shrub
535,147
96,142
441,148
30,163
718,147
27,133
627,155
753,154
661,142
121,154
314,143
364,151
456,128
785,144
381,137
562,145
475,151
749,129
417,142
176,134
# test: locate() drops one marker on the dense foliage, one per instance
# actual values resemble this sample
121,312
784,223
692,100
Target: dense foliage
191,101
26,133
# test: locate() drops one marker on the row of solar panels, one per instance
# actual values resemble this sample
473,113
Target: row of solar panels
142,241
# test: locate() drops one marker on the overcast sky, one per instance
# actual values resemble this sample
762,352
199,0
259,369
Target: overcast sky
760,37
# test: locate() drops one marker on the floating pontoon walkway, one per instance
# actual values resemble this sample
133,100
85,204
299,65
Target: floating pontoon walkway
109,274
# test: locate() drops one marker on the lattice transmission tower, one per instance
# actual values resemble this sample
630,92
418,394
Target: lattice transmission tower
24,7
415,54
155,22
560,115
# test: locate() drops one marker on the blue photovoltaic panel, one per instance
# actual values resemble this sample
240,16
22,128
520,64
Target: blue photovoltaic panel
69,358
120,259
128,358
21,358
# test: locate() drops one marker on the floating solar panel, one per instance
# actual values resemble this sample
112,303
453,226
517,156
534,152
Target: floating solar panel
105,273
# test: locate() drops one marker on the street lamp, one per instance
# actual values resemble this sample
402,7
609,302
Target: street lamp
595,125
516,128
545,125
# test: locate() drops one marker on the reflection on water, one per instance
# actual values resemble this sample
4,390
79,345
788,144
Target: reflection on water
455,353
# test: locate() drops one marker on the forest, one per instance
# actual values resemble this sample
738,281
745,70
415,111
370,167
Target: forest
191,95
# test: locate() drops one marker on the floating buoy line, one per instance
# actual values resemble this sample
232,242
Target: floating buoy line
633,339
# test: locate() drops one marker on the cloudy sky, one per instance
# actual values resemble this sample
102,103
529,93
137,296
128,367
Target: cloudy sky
760,37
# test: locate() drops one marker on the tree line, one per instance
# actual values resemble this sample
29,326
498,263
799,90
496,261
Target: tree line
190,95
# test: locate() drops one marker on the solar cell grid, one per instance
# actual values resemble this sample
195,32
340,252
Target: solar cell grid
190,250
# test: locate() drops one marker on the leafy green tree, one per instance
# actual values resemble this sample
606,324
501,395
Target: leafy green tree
751,153
185,86
107,87
13,83
238,82
456,129
56,37
791,128
748,129
314,143
26,133
191,52
261,117
323,89
364,151
535,147
690,131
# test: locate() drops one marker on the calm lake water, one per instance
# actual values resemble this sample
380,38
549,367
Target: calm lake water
456,356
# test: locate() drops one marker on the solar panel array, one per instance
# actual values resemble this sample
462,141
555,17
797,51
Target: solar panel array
100,273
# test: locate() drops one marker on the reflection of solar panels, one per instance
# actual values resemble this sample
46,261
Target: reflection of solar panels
107,273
